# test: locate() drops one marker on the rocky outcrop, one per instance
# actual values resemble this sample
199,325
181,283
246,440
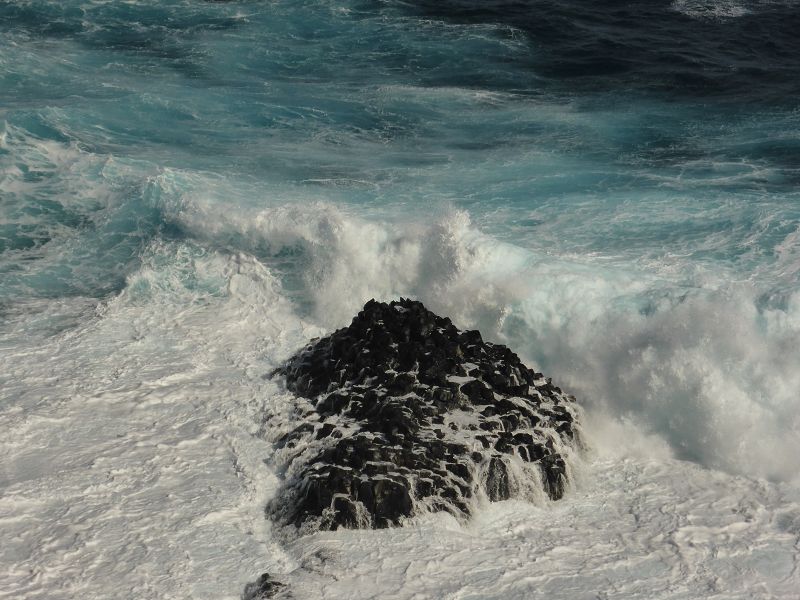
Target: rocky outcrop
411,414
265,587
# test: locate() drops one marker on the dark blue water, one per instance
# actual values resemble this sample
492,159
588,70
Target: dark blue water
679,50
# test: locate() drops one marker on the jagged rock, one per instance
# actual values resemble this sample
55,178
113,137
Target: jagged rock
263,588
413,414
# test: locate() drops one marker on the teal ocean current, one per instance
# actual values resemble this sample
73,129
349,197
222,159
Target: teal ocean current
617,203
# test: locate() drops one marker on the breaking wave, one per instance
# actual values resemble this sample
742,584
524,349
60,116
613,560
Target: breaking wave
709,370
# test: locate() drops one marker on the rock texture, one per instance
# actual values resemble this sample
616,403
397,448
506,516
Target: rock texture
410,414
265,587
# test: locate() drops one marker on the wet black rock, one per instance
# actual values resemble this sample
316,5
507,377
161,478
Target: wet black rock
412,414
263,588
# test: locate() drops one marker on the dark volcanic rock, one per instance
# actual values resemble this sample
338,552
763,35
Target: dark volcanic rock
265,587
412,414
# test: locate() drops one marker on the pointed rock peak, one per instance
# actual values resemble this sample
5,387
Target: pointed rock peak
411,414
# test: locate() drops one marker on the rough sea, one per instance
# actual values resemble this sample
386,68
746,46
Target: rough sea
191,190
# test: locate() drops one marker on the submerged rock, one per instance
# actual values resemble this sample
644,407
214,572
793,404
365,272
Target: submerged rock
265,587
411,414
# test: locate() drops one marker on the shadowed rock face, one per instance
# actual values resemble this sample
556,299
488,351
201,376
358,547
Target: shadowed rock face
411,414
265,587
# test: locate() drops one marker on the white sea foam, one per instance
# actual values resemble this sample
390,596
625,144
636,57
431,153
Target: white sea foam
634,529
711,374
145,418
704,369
725,9
135,437
711,9
345,260
132,467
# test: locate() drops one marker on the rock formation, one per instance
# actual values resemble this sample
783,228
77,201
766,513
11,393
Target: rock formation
265,587
411,414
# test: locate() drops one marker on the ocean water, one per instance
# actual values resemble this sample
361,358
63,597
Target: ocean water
190,190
